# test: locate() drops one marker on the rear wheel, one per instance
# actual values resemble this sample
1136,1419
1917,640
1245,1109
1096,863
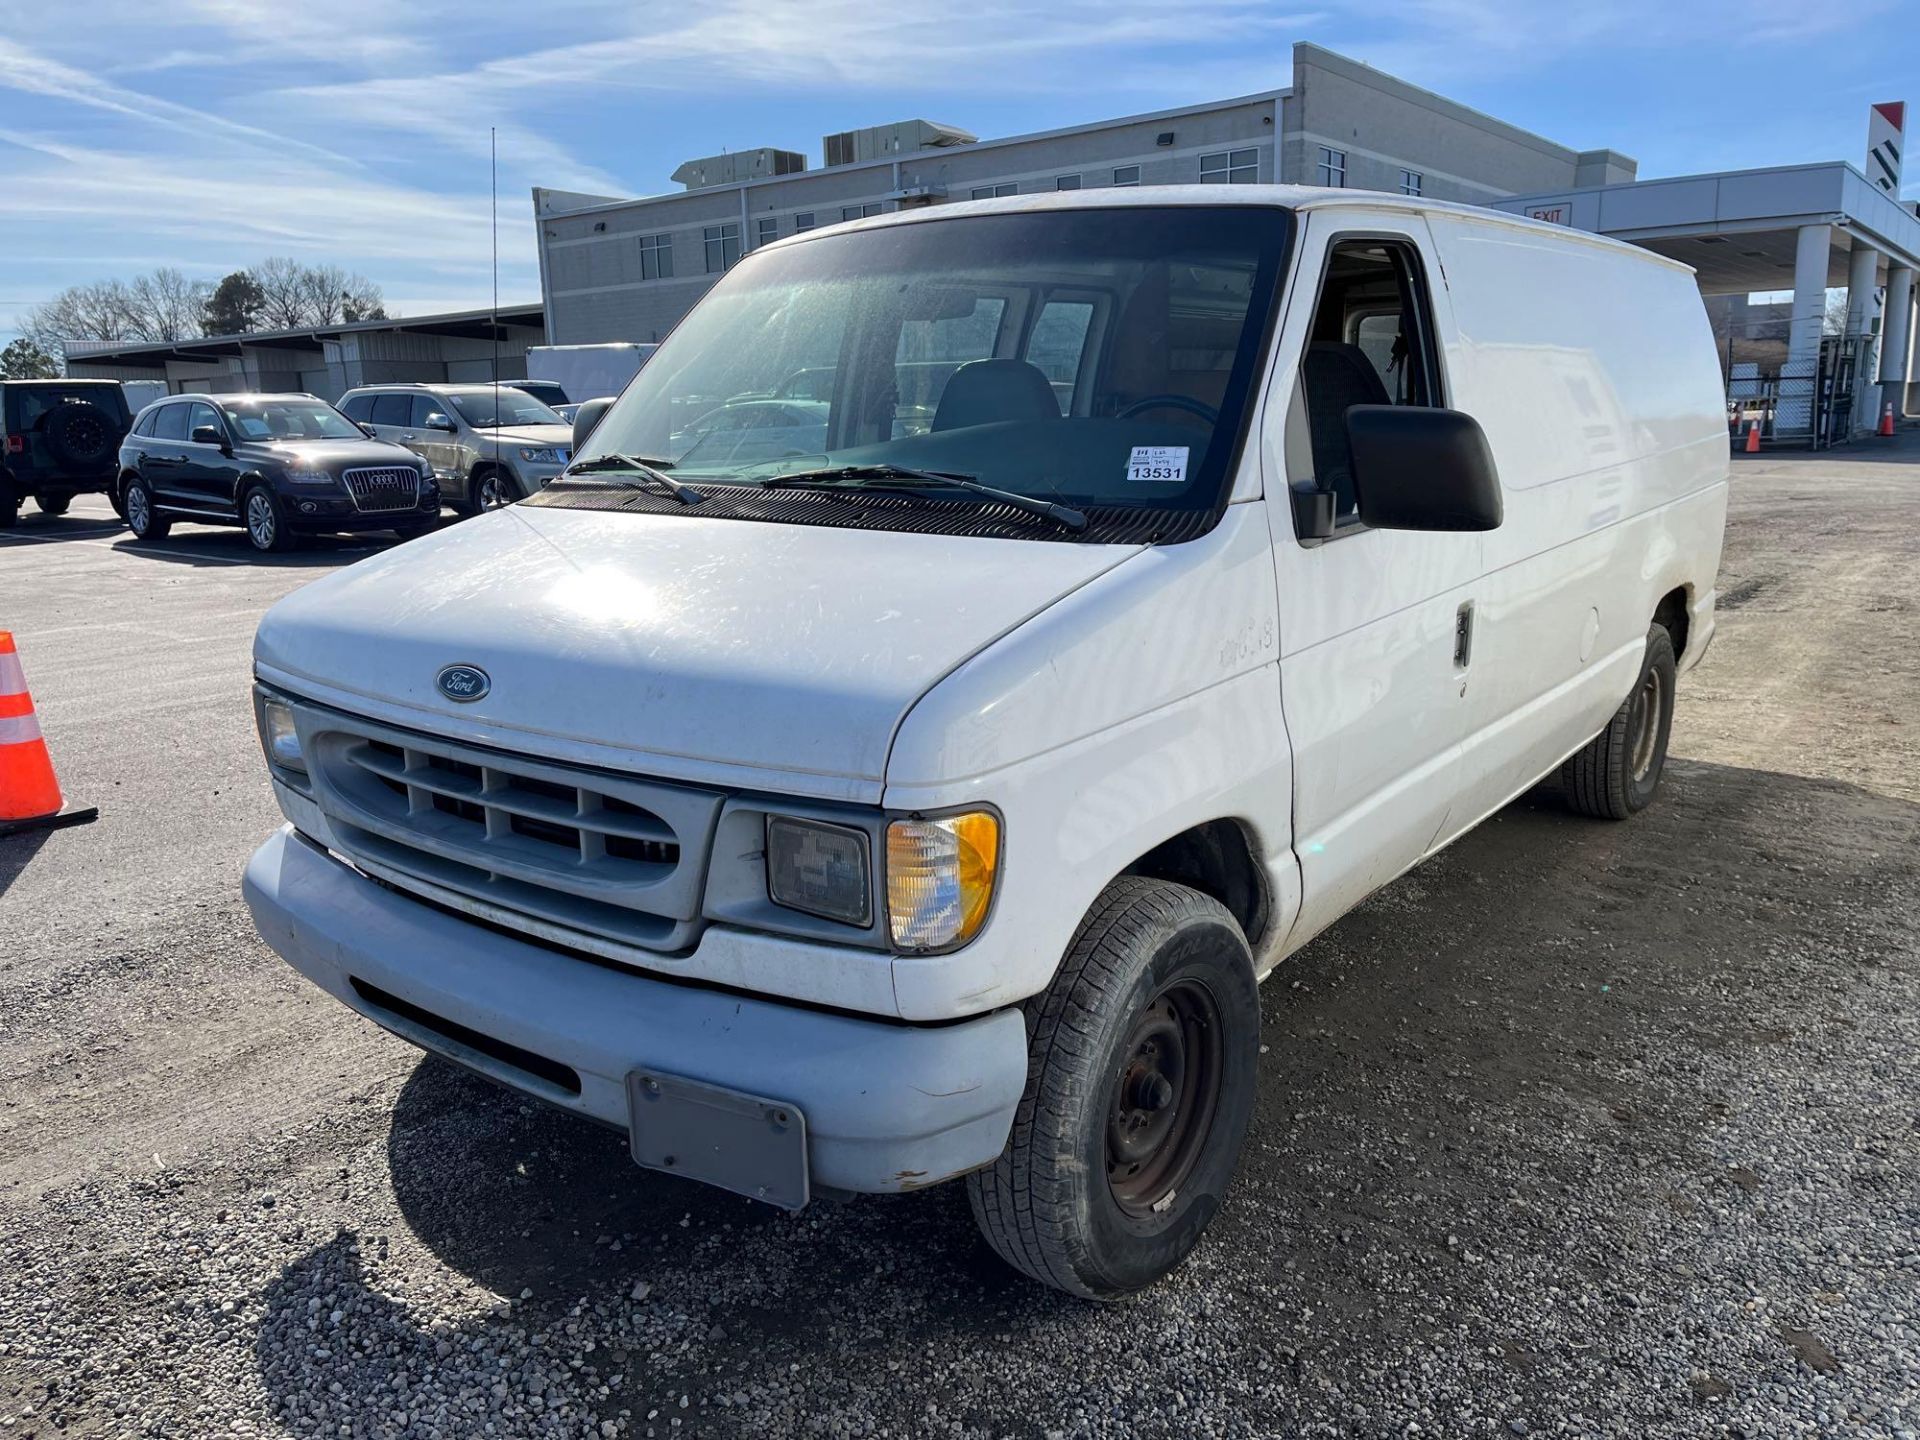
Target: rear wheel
142,519
266,527
1140,1081
1615,774
53,504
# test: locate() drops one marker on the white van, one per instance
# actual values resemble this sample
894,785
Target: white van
1162,572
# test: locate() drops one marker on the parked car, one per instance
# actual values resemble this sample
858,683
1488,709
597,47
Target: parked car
932,807
282,466
490,445
750,431
61,436
549,393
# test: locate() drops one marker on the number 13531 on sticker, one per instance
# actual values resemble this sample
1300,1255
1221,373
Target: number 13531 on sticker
1158,464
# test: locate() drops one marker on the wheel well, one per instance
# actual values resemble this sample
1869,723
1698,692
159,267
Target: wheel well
1673,614
1216,858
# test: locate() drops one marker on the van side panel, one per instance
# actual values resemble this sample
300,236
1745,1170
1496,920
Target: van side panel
1592,371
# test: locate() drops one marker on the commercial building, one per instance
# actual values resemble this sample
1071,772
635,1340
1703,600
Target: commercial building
327,360
613,268
1800,228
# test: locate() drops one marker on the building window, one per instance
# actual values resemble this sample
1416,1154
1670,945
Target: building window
723,247
1230,167
803,221
1411,181
1066,182
1126,174
1333,167
769,231
656,257
992,192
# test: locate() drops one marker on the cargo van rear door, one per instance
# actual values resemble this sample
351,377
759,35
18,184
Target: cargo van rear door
1371,646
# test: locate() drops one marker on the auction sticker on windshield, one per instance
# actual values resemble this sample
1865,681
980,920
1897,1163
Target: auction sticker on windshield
1158,464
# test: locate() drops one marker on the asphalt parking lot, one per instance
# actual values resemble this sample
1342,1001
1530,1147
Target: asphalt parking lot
1580,1129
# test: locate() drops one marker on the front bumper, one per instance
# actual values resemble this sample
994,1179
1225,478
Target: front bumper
888,1107
335,513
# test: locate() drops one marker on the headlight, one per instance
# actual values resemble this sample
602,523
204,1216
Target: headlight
543,455
940,875
277,735
819,870
310,477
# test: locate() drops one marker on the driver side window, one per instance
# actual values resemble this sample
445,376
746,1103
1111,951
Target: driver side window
1370,343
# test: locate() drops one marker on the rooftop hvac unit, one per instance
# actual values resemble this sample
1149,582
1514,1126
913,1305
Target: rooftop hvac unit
884,142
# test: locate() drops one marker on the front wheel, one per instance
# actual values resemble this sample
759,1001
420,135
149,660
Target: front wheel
491,489
266,528
1141,1066
1614,775
142,519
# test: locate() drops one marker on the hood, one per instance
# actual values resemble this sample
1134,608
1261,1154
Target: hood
560,435
769,656
334,455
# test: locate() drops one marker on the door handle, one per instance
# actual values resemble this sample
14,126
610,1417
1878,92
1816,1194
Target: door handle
409,437
1463,635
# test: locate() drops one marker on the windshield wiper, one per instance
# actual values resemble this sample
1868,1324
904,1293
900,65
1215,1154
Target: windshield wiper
647,469
905,477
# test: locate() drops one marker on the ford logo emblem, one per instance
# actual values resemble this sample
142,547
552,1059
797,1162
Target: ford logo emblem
464,683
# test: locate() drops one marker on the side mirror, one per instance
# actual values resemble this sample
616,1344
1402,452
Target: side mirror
586,417
1420,469
437,421
372,433
209,435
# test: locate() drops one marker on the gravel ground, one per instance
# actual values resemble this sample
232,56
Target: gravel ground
1578,1130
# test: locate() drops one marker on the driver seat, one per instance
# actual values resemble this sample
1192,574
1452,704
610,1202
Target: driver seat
985,391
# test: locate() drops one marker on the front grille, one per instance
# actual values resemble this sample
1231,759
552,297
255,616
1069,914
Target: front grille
582,849
376,490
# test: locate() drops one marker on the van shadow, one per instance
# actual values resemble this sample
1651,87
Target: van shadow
1550,1021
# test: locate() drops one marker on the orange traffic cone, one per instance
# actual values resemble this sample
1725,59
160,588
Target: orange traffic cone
1886,421
1753,438
29,795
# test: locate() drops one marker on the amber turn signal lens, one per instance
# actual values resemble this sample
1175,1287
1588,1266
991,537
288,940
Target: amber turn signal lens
940,876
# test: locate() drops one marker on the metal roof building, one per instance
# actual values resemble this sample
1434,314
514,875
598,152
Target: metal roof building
327,360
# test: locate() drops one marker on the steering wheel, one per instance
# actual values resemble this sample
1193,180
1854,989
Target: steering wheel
1171,402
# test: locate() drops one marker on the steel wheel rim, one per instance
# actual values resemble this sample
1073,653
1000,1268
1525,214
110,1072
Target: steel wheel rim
1644,722
1163,1099
260,519
137,509
493,494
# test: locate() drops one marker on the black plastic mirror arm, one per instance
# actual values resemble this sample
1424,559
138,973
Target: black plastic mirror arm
1314,516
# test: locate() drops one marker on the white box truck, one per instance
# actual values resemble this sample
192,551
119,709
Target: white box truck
587,372
980,647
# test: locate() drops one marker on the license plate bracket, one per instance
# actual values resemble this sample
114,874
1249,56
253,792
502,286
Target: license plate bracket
748,1144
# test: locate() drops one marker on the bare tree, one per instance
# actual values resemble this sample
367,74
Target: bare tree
296,295
101,311
167,305
283,293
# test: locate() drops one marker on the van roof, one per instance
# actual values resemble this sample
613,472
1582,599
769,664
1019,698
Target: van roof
1290,197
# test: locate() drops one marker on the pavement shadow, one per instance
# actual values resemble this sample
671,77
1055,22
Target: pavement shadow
210,546
1546,1024
16,853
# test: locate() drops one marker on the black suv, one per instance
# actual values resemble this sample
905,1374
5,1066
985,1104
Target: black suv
283,466
61,436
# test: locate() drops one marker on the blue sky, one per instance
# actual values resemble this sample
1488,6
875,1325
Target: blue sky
208,134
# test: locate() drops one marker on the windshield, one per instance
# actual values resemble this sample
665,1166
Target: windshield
547,392
1098,358
486,410
289,420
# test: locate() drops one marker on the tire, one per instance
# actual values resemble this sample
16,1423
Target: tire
80,436
490,488
9,504
117,500
143,520
1615,774
265,522
53,504
1141,1065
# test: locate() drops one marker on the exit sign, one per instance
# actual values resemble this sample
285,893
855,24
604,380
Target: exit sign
1561,214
